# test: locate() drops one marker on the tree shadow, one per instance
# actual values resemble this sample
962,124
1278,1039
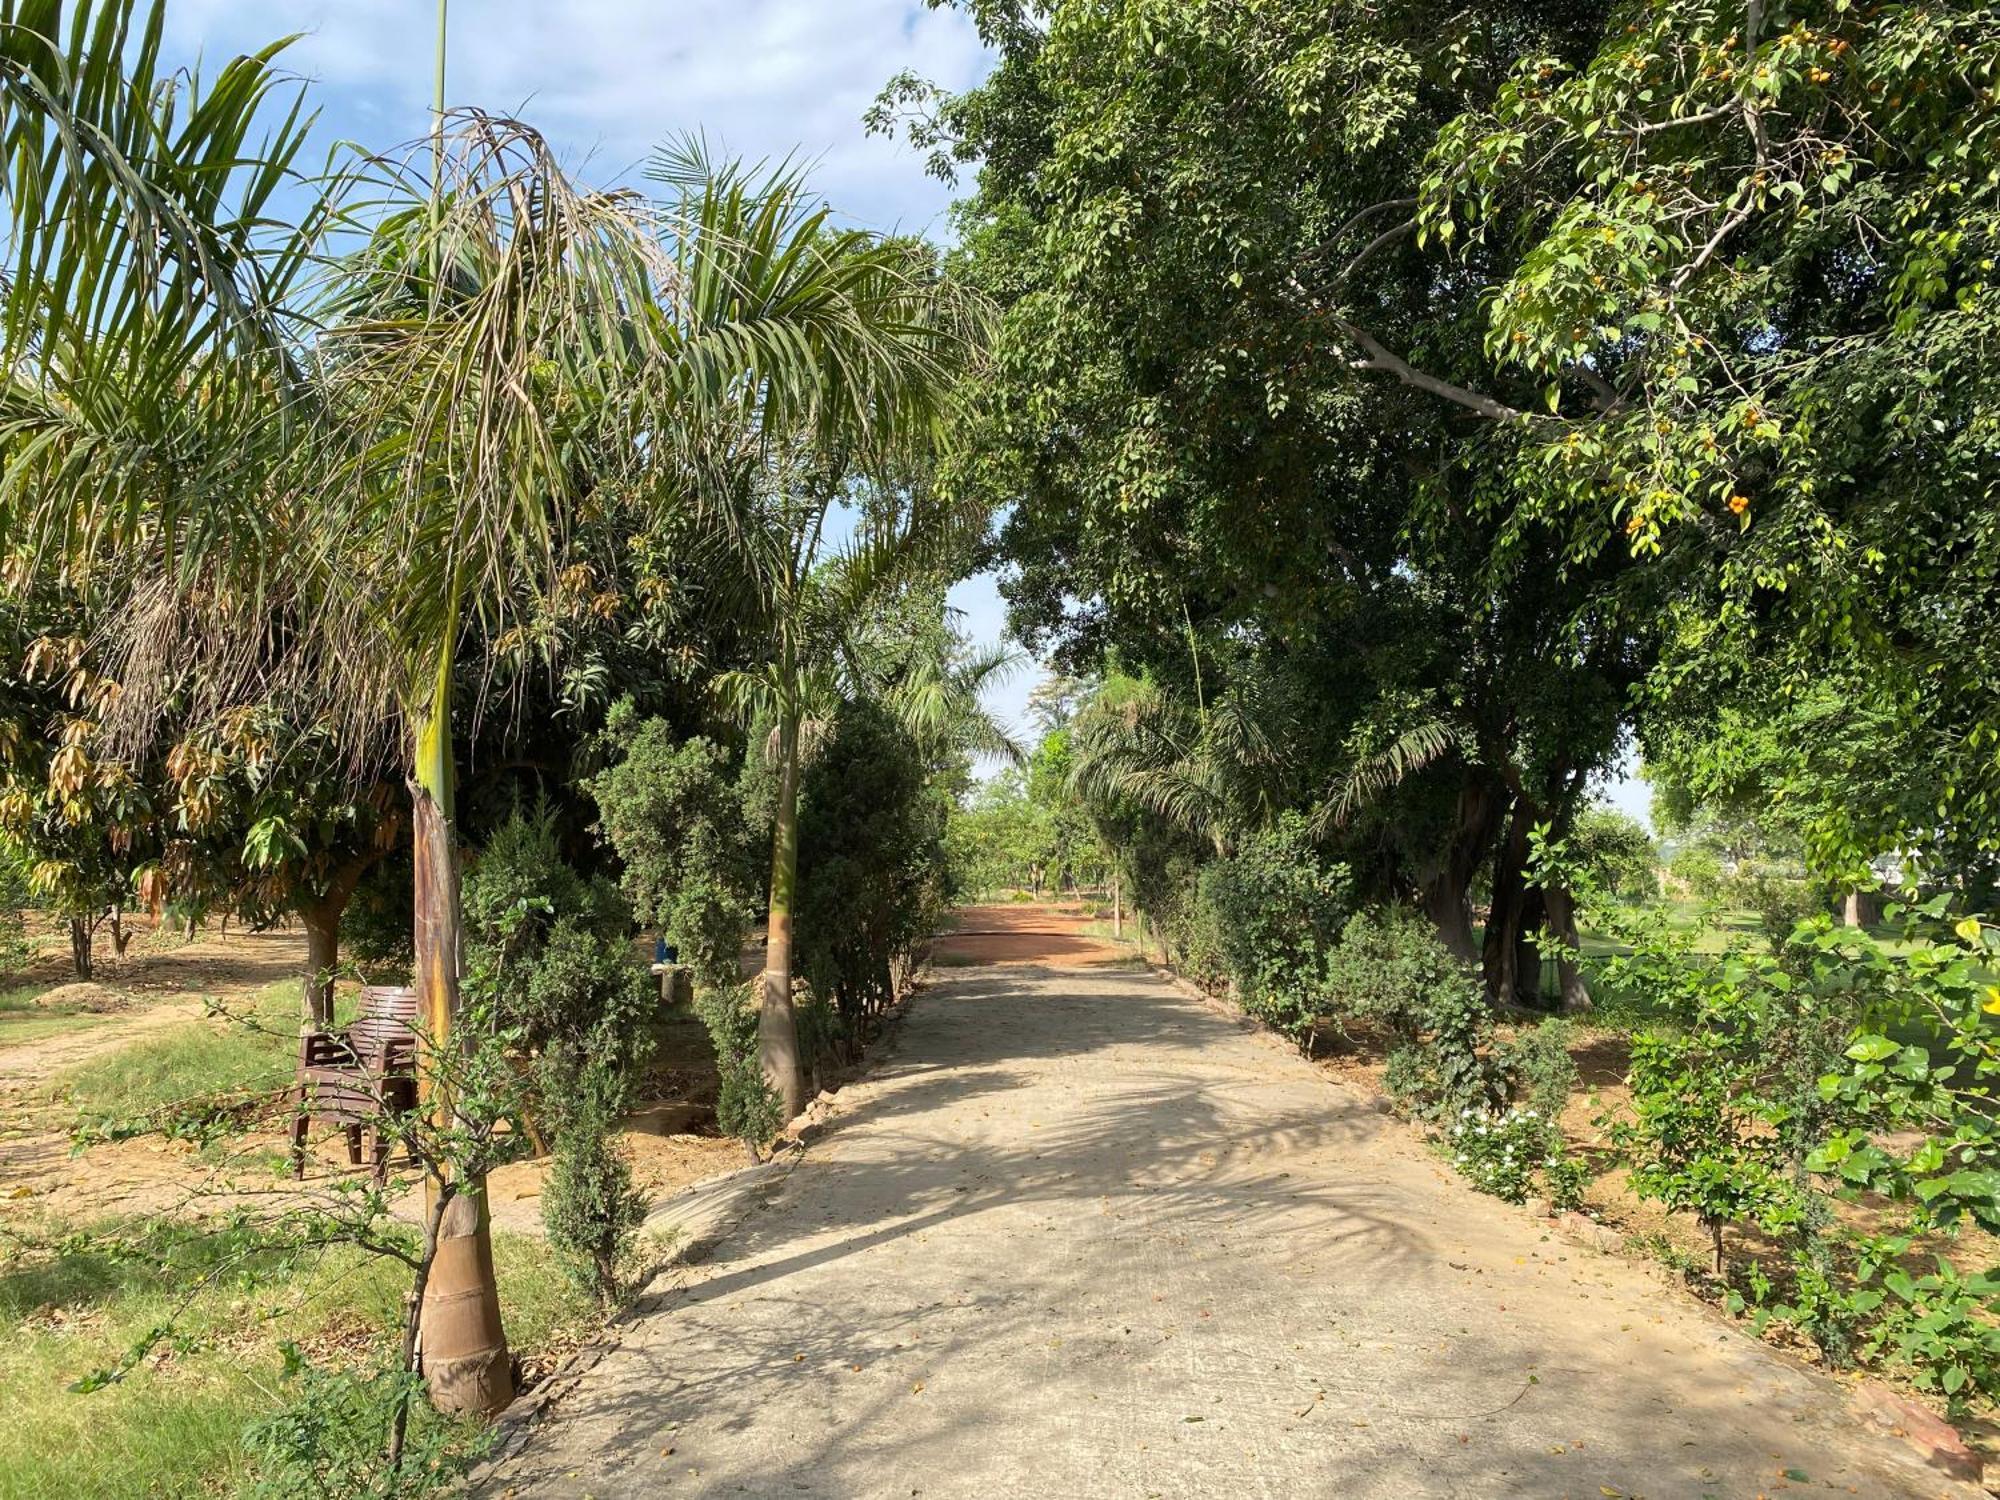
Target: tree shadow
1086,1239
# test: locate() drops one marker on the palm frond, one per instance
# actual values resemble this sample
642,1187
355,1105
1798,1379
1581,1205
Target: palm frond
1373,775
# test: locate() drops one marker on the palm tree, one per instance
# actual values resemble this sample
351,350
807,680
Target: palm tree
834,635
400,440
146,291
1213,769
514,348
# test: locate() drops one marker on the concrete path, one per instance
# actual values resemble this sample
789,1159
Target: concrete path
1083,1236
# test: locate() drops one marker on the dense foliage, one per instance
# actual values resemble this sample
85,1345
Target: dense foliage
873,873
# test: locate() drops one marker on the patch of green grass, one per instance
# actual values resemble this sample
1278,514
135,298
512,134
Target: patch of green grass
174,1425
249,1052
24,1018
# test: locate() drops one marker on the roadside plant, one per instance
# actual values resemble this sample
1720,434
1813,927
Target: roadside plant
591,1210
746,1105
323,1442
1515,1153
1272,911
1539,1069
551,948
673,811
1392,970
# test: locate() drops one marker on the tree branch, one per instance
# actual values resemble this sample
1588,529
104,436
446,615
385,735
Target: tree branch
1386,237
1634,132
1379,358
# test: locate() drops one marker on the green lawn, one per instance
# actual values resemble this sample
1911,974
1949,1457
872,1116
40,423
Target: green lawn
174,1425
250,1051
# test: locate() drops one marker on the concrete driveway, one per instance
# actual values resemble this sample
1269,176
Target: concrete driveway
1081,1235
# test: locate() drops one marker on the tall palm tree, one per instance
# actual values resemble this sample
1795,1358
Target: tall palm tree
511,348
145,297
816,600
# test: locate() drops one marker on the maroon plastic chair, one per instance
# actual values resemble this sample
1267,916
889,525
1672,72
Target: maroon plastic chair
356,1076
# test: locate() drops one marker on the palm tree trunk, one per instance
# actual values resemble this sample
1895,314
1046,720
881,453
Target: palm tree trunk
777,1026
464,1345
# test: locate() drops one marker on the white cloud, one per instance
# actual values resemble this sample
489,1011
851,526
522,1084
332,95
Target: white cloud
609,79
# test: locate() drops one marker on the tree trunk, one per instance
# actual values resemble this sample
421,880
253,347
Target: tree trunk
1446,903
1527,953
1500,954
322,958
1575,999
777,1025
464,1344
80,945
1446,895
120,938
413,1322
320,916
1861,909
1117,910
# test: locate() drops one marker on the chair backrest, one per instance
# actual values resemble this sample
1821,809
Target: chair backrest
388,1015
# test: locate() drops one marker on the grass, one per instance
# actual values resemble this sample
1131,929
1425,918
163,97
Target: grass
24,1018
249,1053
174,1425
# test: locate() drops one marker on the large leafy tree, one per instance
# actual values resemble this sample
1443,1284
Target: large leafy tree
1215,480
1599,344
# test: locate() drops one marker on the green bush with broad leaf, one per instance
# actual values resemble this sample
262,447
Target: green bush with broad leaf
1780,1086
1513,1153
1391,970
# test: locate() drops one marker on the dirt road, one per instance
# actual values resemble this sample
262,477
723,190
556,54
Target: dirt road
1084,1236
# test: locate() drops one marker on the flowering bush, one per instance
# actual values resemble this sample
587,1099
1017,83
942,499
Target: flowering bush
1510,1154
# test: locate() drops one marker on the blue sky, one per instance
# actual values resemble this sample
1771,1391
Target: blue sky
607,80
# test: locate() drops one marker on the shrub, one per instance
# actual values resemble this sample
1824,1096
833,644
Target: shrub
823,1033
16,948
1539,1069
590,1209
746,1105
329,1441
1503,1154
1391,969
873,874
1265,919
675,814
1781,905
1835,1067
552,950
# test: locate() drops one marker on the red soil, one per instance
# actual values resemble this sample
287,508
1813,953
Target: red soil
1024,933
